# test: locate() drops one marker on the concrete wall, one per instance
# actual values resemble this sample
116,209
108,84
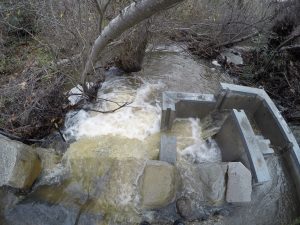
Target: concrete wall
272,125
239,143
259,109
185,105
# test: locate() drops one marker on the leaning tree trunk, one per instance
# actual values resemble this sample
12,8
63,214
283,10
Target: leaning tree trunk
128,17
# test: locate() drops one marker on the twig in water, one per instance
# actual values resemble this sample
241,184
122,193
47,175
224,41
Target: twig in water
110,111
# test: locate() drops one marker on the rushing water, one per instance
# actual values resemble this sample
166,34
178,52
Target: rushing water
109,150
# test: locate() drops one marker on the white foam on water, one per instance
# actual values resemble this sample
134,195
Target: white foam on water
137,120
201,151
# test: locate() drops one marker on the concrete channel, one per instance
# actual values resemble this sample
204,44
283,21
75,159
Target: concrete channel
251,132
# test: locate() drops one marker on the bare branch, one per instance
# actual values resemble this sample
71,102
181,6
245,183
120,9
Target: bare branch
130,16
110,111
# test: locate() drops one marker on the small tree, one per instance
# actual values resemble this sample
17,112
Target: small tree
128,17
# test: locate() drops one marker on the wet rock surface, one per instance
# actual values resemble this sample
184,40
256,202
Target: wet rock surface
32,213
232,56
7,200
184,208
55,141
19,164
213,180
191,212
204,183
158,185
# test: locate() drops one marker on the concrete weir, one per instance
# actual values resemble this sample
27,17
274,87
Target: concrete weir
253,125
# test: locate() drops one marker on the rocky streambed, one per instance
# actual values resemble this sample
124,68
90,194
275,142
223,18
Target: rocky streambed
110,174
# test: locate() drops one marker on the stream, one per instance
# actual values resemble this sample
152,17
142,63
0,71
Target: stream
108,152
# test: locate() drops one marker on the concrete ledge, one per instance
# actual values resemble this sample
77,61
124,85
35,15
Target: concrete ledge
264,145
184,105
168,151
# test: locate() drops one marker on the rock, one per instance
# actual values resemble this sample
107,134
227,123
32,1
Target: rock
158,184
19,164
8,200
32,212
202,212
53,172
113,71
212,176
222,211
191,212
184,208
205,183
239,187
232,56
55,141
55,176
178,222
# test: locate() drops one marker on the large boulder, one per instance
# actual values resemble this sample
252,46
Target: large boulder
19,164
158,184
190,212
212,176
203,183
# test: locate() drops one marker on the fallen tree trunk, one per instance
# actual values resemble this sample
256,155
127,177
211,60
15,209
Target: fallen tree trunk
128,17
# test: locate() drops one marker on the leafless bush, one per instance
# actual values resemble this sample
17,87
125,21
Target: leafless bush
33,101
208,26
32,104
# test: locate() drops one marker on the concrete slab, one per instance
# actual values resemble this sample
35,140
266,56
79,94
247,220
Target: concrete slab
168,151
239,186
264,146
230,142
238,142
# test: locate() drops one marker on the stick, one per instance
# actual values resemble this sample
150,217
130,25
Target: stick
110,111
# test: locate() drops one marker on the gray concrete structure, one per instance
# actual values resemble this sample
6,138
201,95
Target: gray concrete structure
239,144
262,114
268,120
168,151
264,146
184,105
